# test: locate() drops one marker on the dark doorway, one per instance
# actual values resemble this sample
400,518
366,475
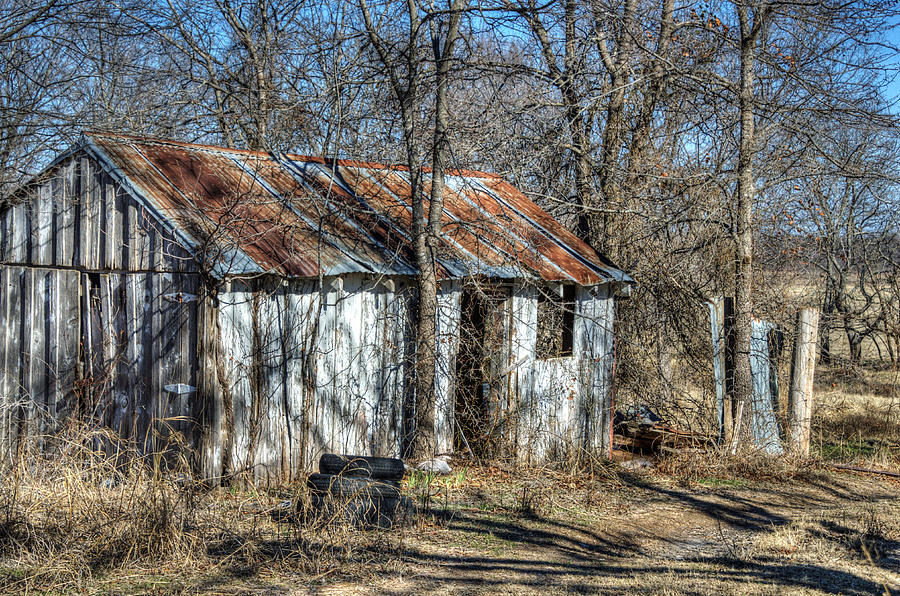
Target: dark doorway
481,369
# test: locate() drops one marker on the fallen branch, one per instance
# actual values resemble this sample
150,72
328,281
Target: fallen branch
866,470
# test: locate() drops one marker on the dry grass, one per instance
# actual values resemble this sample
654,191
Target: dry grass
862,531
716,468
857,416
861,534
75,520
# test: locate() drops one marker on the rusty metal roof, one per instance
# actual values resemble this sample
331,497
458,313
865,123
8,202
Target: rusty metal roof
300,216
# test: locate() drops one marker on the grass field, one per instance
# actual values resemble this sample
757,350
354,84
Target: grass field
857,416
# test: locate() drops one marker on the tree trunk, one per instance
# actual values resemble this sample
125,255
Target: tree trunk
825,328
743,220
581,144
612,234
427,244
210,395
854,340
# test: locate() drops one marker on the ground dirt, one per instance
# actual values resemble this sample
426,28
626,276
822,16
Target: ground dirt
658,537
499,532
698,523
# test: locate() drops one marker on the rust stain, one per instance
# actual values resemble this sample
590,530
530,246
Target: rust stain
299,216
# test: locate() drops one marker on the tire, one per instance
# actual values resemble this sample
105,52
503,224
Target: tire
348,486
379,468
395,514
362,511
382,513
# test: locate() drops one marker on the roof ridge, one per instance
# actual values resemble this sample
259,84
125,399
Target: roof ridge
342,162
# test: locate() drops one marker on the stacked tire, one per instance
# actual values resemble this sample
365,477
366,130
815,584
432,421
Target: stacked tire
360,490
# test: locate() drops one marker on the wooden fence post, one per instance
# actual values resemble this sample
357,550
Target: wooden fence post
803,369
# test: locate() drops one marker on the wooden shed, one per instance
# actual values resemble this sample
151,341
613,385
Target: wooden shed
258,306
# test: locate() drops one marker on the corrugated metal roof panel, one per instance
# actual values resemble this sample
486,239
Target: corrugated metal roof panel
299,216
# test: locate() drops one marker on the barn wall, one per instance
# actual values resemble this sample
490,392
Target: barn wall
96,313
310,372
563,403
117,348
99,315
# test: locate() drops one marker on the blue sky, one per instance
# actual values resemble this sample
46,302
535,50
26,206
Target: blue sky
894,88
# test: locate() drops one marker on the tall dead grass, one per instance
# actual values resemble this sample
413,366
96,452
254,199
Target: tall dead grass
85,512
857,416
717,467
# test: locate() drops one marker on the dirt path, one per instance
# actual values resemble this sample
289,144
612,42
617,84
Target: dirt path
661,538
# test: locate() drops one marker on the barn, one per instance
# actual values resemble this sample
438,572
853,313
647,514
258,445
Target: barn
257,308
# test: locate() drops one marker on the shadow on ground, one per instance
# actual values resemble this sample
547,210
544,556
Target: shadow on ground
553,554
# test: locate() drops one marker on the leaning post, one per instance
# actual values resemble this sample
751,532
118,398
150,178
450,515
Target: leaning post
803,369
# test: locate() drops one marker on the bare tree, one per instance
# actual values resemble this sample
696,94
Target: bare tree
403,61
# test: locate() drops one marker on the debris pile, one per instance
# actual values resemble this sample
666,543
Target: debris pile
640,430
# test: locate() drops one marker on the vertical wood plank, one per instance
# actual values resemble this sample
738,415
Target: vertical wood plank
4,338
20,231
270,461
166,320
64,212
383,438
235,319
112,230
761,418
349,338
717,326
8,358
326,421
32,352
301,305
114,400
135,237
68,329
145,293
105,342
85,214
44,348
137,341
5,229
121,367
42,224
15,358
188,363
448,318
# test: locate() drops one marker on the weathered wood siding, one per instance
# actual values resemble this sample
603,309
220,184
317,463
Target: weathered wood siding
103,315
310,372
103,346
78,217
96,316
563,405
